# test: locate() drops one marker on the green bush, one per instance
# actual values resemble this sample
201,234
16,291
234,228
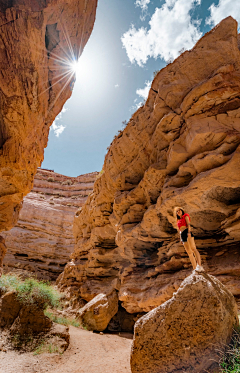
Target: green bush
230,359
8,282
62,320
31,291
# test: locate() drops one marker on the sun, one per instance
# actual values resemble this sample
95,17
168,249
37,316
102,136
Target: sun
74,66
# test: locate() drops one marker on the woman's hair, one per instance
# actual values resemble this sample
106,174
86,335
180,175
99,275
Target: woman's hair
175,211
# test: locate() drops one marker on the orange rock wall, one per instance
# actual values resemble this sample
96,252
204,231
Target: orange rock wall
42,239
34,58
181,148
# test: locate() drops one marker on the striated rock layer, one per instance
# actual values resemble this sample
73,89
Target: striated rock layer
38,42
42,240
181,148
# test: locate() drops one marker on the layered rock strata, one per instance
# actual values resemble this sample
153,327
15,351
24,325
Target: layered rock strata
38,42
180,148
188,332
42,240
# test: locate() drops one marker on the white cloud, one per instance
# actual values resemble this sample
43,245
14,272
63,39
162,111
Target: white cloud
224,9
58,129
142,4
143,92
171,29
116,86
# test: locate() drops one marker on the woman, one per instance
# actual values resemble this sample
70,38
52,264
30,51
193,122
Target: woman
187,239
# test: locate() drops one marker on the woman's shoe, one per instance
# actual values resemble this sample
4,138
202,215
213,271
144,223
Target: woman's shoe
199,268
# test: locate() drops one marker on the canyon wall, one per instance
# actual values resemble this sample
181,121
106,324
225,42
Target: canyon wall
38,41
42,240
180,148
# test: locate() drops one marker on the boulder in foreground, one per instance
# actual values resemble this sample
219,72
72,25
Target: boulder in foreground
97,313
185,333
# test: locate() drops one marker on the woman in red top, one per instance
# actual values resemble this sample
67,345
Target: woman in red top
187,239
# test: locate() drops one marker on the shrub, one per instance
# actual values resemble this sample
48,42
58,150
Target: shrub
51,179
31,291
230,359
47,347
62,320
9,282
100,174
67,182
155,73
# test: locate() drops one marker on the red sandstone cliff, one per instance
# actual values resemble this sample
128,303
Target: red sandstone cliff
180,148
38,40
42,239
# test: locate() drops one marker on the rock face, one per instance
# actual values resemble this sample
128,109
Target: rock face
42,240
180,149
186,333
3,250
35,39
22,319
97,313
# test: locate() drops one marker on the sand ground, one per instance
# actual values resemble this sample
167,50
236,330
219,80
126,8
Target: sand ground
87,353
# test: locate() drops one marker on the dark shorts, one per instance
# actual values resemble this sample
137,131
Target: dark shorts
184,235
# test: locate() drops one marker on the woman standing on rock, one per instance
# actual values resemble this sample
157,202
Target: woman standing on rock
187,239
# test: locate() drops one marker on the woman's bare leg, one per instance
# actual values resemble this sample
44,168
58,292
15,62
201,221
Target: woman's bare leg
193,248
190,254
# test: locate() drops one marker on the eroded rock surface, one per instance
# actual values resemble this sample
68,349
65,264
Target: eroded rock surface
181,148
42,240
186,333
35,39
97,313
21,318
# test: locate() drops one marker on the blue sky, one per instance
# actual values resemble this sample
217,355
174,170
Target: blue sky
131,39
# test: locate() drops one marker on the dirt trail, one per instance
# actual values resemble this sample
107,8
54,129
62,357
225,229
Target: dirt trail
87,353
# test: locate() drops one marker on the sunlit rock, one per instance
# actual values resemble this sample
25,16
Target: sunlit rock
39,40
97,313
180,148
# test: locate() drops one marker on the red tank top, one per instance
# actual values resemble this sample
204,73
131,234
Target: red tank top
182,222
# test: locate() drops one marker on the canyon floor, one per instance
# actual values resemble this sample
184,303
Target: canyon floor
87,353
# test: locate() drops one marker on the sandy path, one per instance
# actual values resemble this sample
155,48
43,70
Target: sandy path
87,353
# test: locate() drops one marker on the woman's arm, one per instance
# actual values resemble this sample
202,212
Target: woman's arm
180,235
188,224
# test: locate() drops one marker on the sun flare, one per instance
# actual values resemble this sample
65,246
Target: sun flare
74,66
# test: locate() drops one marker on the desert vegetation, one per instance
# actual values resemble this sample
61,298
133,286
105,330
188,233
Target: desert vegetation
31,291
230,359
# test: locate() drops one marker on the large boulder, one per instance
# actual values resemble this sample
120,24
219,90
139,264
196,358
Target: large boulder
186,333
97,313
9,308
31,320
22,319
